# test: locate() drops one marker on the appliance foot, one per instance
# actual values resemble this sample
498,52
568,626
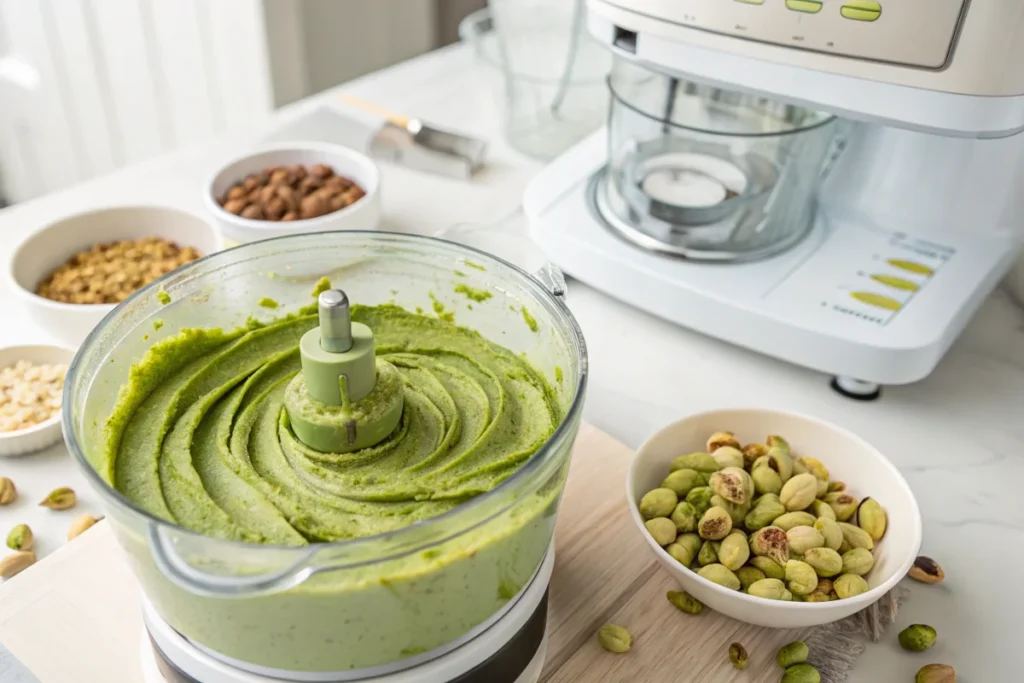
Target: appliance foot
857,389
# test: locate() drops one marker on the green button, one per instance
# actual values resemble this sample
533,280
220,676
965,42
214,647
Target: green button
861,11
872,299
809,6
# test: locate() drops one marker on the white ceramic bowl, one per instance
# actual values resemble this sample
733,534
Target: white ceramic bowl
848,458
361,215
46,249
44,434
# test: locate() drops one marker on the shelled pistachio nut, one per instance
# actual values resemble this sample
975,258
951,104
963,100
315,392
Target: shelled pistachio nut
728,456
748,575
791,519
871,518
836,486
753,451
8,492
715,524
822,509
702,462
823,593
720,439
20,538
799,492
700,498
769,589
858,561
780,461
804,538
658,503
615,639
825,561
685,602
766,480
662,530
793,653
842,503
733,484
720,574
830,531
707,554
62,498
766,511
849,585
936,673
734,551
770,568
771,542
737,512
801,578
917,637
856,537
684,517
738,656
685,548
682,481
801,673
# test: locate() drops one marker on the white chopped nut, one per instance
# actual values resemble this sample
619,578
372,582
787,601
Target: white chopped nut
29,394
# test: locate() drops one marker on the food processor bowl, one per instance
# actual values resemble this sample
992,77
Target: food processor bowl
708,174
348,609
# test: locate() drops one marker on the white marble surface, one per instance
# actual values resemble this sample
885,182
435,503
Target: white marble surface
958,436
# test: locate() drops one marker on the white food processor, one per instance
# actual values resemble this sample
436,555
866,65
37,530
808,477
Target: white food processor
834,183
460,596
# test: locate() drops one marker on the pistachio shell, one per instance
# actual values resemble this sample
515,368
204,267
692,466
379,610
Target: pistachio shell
830,531
658,503
801,578
720,574
734,551
856,537
849,585
738,656
769,589
799,492
748,575
936,673
792,519
662,530
771,568
871,518
702,462
737,513
804,538
825,561
682,481
858,561
728,456
715,524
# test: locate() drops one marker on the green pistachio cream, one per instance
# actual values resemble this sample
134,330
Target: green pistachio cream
199,437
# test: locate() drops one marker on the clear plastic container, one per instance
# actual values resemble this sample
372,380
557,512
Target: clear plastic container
365,606
547,73
705,173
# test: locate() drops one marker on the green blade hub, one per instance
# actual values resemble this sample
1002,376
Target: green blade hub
344,399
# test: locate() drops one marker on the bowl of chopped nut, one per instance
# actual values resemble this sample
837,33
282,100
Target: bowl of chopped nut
291,188
71,273
31,385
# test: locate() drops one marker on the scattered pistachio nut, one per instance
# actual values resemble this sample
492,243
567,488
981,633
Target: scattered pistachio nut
658,503
662,530
20,538
16,562
804,538
917,637
793,653
935,673
792,519
615,639
856,537
720,574
738,656
700,499
843,504
715,524
799,491
801,578
871,518
684,517
849,585
707,554
702,462
830,531
926,570
769,589
770,568
858,561
8,492
825,561
62,498
771,542
682,481
80,525
734,551
801,673
748,575
728,456
685,602
720,439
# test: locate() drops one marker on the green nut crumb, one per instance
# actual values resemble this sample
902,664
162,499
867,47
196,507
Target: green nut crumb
685,602
801,673
472,293
157,324
321,286
163,297
917,637
794,653
615,639
530,321
738,656
267,302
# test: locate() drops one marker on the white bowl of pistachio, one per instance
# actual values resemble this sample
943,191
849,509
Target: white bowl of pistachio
774,518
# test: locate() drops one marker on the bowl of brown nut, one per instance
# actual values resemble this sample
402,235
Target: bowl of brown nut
31,386
71,273
292,188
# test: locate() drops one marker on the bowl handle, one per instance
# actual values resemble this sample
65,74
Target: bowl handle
186,576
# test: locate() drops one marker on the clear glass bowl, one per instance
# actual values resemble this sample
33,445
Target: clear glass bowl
369,605
705,173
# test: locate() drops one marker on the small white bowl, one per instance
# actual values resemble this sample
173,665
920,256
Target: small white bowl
45,250
361,215
44,434
848,458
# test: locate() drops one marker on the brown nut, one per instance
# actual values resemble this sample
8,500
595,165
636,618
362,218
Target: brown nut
290,216
253,212
321,171
236,206
926,570
237,192
312,206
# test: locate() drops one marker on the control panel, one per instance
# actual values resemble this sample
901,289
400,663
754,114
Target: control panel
919,33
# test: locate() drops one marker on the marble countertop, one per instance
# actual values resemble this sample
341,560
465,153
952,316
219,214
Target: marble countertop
958,436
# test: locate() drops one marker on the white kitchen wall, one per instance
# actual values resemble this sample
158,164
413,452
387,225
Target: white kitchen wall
87,86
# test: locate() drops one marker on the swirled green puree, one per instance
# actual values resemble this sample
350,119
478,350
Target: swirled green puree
199,437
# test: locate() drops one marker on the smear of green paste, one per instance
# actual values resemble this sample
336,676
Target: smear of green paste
477,295
267,302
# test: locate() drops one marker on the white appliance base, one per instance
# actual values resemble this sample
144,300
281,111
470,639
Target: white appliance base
826,304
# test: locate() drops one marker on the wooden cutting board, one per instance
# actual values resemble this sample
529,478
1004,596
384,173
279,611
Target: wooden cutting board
74,617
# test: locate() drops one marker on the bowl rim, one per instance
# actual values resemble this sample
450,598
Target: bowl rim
859,601
16,286
301,224
49,422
